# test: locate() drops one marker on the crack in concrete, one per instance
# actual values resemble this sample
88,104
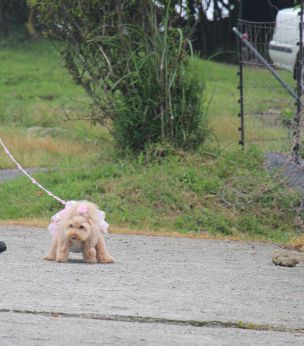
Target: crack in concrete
159,320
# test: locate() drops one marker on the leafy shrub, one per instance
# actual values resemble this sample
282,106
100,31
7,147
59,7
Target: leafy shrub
133,62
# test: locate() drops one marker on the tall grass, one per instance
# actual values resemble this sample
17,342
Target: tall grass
164,101
133,64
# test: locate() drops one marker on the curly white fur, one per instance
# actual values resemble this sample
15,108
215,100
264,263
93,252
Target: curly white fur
78,229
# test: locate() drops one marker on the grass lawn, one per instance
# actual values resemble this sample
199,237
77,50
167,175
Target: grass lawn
218,190
266,103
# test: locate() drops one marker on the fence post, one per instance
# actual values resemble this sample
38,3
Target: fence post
298,117
241,99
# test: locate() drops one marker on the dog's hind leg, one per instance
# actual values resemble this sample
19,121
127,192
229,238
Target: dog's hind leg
102,253
51,255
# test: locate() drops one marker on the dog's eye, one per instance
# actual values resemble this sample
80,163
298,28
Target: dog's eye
70,225
81,227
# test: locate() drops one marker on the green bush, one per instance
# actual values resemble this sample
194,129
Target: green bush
133,62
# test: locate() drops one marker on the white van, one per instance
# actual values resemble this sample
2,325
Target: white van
283,49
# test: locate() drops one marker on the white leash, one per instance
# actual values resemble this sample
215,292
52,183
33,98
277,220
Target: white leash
34,181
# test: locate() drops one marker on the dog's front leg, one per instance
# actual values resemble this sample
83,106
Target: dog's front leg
63,250
102,253
51,255
89,253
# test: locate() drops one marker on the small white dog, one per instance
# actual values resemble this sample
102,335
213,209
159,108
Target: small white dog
78,228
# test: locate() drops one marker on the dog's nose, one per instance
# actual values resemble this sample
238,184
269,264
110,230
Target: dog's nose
74,236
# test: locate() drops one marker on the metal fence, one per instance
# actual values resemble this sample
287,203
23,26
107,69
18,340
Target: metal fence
270,97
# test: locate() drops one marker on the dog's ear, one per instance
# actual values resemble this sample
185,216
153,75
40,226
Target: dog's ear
90,220
91,214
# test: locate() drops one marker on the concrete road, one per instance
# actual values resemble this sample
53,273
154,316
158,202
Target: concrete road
9,174
161,291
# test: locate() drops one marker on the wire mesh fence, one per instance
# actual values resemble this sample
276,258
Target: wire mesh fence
271,94
267,108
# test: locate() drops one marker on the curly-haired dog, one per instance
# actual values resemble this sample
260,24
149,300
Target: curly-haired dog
78,228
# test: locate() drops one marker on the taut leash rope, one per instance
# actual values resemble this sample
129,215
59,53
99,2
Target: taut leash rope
34,181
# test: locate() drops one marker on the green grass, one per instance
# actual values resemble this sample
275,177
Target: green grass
34,86
36,91
226,196
220,189
263,96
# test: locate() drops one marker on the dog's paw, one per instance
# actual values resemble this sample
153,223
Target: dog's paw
61,260
49,258
106,260
91,261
